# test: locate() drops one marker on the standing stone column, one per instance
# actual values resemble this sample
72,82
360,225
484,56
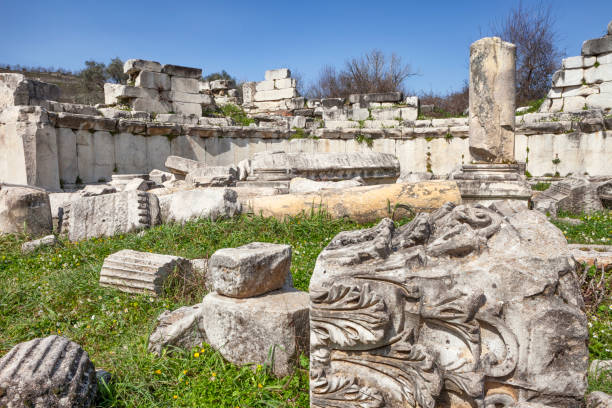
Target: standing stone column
492,100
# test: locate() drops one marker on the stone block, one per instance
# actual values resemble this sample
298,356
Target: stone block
365,99
248,92
185,108
31,246
598,399
538,342
220,84
604,58
212,176
276,94
285,83
24,209
582,90
264,86
176,96
249,270
596,75
151,105
588,61
574,103
15,90
211,203
556,105
386,114
187,85
270,329
134,66
409,114
181,166
273,74
110,214
600,101
117,93
180,71
141,272
160,176
555,93
572,62
568,77
47,372
412,101
301,185
153,80
606,87
136,184
359,114
180,328
597,46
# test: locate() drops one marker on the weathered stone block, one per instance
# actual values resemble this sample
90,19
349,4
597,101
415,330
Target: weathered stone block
568,77
110,214
47,372
140,272
220,84
117,93
574,103
187,85
276,94
409,114
572,62
180,328
597,46
181,166
285,83
185,108
264,86
67,155
301,185
412,316
211,203
151,105
253,330
153,80
598,399
282,73
24,209
365,99
212,176
180,71
604,58
134,66
581,90
175,96
596,75
249,270
15,89
600,101
31,246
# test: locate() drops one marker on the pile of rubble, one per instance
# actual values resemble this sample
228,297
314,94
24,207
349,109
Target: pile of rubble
253,315
277,93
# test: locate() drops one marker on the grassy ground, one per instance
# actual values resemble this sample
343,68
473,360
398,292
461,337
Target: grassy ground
55,290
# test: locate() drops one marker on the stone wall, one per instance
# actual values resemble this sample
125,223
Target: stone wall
49,149
585,81
278,92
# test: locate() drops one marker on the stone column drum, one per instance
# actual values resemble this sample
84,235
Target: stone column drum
492,100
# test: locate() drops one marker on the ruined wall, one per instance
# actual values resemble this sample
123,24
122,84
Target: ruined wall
74,147
584,81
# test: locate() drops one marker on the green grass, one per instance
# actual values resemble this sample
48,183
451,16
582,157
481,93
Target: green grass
540,186
55,290
534,106
596,229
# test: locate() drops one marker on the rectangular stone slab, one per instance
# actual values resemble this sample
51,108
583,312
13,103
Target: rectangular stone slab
110,214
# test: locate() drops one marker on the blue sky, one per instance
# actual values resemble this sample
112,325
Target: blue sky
247,37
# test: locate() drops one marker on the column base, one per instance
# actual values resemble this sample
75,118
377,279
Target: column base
487,182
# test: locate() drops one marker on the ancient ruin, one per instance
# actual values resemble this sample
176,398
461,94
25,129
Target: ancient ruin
450,310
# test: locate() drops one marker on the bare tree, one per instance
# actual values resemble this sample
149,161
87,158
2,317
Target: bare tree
452,104
532,29
373,72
